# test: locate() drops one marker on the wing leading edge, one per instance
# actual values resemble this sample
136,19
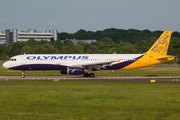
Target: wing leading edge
97,65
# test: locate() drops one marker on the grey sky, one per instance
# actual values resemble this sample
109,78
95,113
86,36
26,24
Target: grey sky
72,15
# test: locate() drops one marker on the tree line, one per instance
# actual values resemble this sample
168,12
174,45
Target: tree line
109,41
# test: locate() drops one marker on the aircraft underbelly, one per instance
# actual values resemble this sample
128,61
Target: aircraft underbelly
39,67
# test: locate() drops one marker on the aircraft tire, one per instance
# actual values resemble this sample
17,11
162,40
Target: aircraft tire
23,76
86,75
91,75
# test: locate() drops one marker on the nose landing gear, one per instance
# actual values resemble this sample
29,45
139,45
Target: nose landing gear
23,74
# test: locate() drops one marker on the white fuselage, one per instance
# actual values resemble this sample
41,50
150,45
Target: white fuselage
61,61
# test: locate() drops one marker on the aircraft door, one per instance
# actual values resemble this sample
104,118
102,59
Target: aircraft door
100,59
23,60
145,59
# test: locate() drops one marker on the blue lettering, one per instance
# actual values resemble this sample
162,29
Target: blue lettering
60,57
46,57
31,57
67,57
53,57
39,58
84,57
74,57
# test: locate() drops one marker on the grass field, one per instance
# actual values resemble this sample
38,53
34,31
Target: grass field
79,100
148,71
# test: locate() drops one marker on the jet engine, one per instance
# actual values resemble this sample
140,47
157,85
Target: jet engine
73,71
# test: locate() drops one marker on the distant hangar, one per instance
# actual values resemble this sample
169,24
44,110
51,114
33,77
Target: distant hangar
11,36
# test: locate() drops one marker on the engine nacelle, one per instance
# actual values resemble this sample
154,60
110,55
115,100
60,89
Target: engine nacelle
73,71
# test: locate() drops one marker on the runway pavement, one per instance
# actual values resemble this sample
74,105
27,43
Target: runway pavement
97,78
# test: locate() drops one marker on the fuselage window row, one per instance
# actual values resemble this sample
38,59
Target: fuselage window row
74,59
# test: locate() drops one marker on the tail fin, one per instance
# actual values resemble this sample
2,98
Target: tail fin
160,47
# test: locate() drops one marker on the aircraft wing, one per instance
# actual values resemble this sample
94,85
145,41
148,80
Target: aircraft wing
96,65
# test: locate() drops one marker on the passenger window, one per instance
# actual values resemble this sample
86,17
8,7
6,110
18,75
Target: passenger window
12,59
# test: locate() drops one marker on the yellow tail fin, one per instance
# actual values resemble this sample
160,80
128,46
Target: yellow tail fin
160,47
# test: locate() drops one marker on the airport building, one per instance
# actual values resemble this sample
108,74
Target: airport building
11,36
75,41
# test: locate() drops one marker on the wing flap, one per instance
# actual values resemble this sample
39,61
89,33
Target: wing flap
96,65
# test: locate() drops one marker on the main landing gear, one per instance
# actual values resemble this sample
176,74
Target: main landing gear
91,75
23,74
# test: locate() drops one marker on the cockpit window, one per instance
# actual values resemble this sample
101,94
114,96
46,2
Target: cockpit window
12,59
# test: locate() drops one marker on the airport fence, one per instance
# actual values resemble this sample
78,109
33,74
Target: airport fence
167,65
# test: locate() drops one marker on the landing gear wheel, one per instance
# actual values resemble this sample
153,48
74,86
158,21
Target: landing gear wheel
23,76
91,75
86,75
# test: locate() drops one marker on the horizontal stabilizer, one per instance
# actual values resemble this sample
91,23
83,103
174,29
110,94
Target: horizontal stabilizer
164,58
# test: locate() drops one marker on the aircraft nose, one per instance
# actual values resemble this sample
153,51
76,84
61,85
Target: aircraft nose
5,65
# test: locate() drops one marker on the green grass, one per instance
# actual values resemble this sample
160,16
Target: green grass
148,71
70,100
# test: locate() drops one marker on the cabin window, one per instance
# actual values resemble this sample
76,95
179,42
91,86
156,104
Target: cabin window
12,59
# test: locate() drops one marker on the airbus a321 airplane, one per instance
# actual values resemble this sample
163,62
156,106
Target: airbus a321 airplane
75,64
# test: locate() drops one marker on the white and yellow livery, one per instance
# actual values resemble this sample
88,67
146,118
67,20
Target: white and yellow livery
74,64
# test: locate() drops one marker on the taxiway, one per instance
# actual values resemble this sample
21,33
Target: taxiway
97,78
